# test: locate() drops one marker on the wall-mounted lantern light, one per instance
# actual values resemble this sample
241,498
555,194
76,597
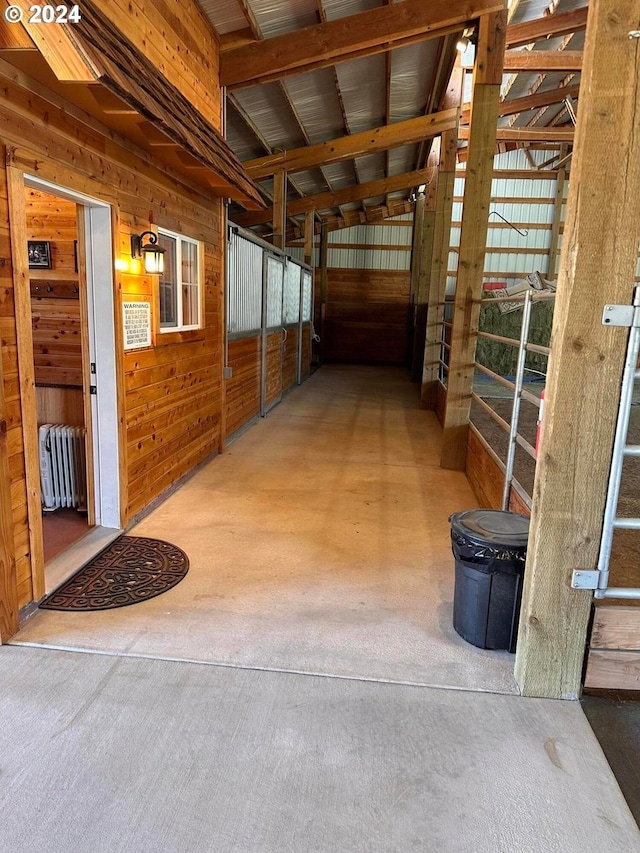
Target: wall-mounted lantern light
151,253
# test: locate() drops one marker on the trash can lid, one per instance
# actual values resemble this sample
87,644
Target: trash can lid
492,527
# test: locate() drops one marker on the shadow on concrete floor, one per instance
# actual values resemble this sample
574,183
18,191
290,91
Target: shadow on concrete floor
614,717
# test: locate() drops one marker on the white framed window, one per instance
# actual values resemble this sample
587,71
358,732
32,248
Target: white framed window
180,284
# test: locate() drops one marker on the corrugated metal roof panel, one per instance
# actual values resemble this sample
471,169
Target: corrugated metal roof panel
371,167
267,108
225,15
342,8
283,16
362,93
315,99
412,70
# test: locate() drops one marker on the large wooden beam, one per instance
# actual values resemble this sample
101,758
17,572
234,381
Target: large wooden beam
527,134
597,267
530,102
355,145
473,236
351,37
542,60
347,195
548,27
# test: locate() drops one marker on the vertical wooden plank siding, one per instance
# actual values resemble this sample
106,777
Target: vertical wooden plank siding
597,266
473,235
26,371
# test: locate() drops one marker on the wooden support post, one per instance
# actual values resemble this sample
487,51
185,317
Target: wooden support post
597,267
26,372
279,209
309,222
324,287
441,243
9,623
424,265
473,236
557,220
438,272
416,254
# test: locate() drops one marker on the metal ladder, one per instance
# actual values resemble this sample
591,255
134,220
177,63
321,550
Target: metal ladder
598,579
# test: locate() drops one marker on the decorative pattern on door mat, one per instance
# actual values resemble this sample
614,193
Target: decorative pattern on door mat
131,569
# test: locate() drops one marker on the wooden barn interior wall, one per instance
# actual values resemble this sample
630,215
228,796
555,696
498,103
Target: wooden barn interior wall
367,310
171,392
55,311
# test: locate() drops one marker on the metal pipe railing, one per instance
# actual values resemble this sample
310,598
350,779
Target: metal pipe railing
517,392
610,522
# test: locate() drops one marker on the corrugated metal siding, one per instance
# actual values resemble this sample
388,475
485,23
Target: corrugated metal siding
520,254
244,302
368,237
291,310
307,295
275,278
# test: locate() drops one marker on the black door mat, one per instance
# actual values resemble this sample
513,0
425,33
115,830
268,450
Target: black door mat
131,569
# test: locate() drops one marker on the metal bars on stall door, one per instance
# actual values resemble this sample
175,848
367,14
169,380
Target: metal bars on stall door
517,386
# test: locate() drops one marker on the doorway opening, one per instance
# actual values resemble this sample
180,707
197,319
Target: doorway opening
75,415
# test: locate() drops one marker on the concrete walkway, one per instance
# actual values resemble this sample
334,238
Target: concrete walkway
113,755
318,544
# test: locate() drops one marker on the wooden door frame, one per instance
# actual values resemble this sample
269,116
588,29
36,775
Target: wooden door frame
17,181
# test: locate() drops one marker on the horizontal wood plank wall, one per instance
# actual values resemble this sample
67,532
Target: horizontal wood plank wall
306,350
172,393
244,388
60,406
487,480
613,661
57,345
274,368
367,316
290,359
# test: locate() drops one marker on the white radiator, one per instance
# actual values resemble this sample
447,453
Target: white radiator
63,469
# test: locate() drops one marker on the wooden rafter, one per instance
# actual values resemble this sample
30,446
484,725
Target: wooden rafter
531,102
347,38
348,195
542,60
358,144
528,134
549,26
368,216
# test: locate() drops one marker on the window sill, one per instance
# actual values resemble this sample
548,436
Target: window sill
188,336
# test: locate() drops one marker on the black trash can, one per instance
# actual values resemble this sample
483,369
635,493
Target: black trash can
490,550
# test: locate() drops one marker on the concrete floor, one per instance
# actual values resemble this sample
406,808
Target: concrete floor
319,544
